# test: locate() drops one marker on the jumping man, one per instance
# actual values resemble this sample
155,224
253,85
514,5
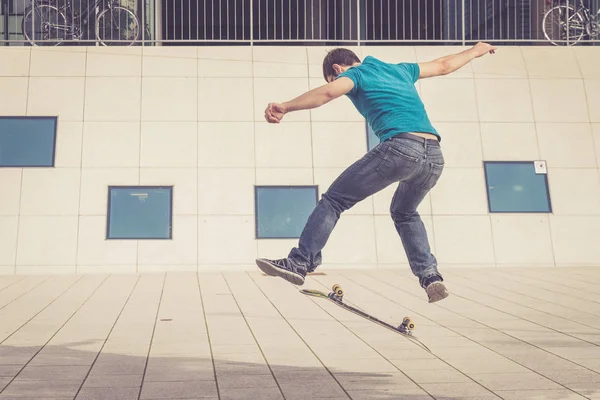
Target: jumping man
409,154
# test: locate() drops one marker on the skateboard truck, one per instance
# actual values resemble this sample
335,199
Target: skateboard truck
336,296
337,293
406,327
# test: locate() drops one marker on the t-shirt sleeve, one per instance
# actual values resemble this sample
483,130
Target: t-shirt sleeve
411,69
354,75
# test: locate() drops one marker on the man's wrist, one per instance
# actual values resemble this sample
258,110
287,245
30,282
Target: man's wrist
472,53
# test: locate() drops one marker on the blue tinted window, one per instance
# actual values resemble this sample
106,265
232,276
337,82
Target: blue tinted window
282,212
140,212
372,139
516,187
27,141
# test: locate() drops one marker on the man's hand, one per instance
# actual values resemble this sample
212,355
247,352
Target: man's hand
448,64
481,49
274,112
311,99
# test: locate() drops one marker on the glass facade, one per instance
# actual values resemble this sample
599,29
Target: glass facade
140,212
282,211
516,187
27,141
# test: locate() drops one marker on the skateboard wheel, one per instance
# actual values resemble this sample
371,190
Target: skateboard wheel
337,290
408,323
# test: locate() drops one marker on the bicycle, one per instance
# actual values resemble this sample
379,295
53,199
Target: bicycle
573,23
54,24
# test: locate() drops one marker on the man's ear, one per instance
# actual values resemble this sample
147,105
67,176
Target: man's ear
337,68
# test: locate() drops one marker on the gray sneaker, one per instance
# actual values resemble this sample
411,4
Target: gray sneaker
434,287
282,268
436,291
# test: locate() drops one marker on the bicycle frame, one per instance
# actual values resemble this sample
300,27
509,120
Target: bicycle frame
591,21
74,19
587,14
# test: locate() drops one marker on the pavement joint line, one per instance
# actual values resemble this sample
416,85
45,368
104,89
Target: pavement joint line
494,351
301,338
56,333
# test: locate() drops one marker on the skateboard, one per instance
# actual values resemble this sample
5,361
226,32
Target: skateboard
336,296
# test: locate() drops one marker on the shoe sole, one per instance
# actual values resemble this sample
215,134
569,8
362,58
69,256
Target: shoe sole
436,291
272,270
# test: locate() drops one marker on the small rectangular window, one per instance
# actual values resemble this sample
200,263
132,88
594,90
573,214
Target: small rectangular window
282,211
139,212
372,139
516,187
27,141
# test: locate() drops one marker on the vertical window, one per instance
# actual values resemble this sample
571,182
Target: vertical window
27,141
282,211
140,212
372,139
517,187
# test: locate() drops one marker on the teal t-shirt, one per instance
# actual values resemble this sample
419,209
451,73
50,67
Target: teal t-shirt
385,94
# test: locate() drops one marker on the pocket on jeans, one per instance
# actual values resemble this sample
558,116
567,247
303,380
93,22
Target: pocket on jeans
396,166
433,175
404,154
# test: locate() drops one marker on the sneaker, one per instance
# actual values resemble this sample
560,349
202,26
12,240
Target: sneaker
283,268
435,288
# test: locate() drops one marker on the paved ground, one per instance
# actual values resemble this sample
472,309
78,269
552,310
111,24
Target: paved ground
503,333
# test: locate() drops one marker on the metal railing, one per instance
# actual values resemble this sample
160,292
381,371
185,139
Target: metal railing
344,22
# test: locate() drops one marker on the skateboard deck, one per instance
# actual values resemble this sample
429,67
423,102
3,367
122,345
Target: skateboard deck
336,296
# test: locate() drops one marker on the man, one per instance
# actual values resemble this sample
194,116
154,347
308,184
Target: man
408,153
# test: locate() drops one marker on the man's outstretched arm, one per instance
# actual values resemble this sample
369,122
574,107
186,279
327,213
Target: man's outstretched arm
448,64
311,99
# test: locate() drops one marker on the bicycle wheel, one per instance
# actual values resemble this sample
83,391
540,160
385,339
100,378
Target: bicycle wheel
117,26
563,26
47,26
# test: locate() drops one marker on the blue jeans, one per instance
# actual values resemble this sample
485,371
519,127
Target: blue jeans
415,164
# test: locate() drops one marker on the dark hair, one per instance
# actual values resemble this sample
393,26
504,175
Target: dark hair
343,57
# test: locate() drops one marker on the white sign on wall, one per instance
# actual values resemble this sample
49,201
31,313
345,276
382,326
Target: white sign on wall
540,167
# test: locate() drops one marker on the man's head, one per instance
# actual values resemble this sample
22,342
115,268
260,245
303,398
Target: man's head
338,61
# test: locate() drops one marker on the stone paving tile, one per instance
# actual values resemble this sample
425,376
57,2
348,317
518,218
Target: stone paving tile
25,305
453,390
9,370
9,280
414,393
20,289
519,381
35,398
571,376
119,365
447,375
54,373
16,355
539,395
357,381
41,389
246,381
310,390
169,336
178,390
251,393
108,393
113,381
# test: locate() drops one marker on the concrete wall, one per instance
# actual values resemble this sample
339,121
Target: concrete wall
193,118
